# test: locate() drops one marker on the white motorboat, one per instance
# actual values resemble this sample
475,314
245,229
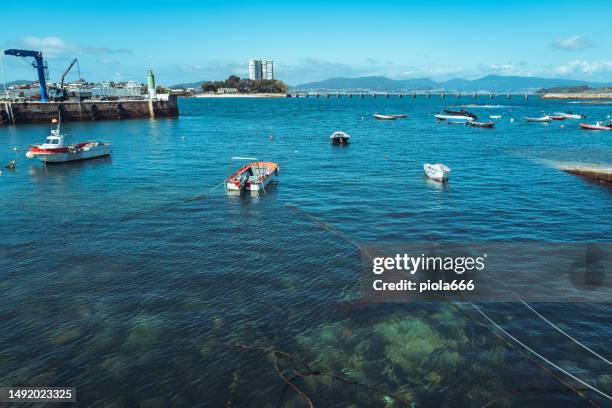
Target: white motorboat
454,118
544,118
570,115
385,117
252,177
339,137
437,171
53,150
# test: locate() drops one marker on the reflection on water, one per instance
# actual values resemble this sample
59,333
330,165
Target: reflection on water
41,171
436,184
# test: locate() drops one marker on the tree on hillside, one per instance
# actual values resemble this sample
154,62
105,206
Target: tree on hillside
247,86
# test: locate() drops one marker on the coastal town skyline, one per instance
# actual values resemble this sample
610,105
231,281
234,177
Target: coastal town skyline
312,42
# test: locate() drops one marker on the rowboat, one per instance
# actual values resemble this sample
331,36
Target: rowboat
570,115
456,118
481,124
544,118
495,116
53,150
253,176
385,117
437,171
597,126
339,138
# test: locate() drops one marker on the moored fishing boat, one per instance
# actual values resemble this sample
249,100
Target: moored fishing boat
481,124
570,115
385,117
53,150
340,137
454,118
462,112
437,171
558,117
544,118
253,176
596,126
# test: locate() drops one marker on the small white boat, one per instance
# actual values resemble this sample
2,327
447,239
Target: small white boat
570,115
544,118
495,116
454,118
53,150
437,171
339,137
385,117
253,176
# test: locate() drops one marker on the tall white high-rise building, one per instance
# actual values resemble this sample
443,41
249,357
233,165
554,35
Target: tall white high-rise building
261,69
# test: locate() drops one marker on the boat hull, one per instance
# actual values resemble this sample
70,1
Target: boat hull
250,186
388,117
586,126
454,118
488,125
436,172
544,119
340,140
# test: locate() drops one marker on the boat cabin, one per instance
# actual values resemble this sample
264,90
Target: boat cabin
54,140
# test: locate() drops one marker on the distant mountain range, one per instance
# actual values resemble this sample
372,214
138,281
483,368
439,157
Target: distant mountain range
17,82
195,85
489,83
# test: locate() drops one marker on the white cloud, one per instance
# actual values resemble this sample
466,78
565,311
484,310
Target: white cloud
107,61
575,43
56,47
584,68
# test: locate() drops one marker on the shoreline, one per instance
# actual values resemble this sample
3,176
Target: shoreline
256,95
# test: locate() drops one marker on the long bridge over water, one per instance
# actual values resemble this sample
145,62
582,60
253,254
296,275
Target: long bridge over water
399,94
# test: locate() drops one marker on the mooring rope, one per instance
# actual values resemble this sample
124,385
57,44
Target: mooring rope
561,331
539,355
206,194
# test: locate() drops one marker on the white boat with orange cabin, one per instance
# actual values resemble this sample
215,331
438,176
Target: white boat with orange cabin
253,176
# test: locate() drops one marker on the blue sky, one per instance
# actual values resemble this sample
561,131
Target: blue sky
187,41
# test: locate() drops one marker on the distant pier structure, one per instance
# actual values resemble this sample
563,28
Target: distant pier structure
400,94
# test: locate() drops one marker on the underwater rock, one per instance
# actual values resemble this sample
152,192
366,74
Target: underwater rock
146,332
66,335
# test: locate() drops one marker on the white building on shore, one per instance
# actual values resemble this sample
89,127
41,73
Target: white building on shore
261,69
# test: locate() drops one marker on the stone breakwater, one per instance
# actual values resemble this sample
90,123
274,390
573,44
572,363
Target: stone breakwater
579,95
600,175
43,112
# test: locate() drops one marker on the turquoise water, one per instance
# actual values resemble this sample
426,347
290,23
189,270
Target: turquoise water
128,277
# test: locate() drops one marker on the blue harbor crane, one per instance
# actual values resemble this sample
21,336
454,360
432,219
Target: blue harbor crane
40,66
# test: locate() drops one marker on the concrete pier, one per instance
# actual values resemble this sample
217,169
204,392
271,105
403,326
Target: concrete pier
87,110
